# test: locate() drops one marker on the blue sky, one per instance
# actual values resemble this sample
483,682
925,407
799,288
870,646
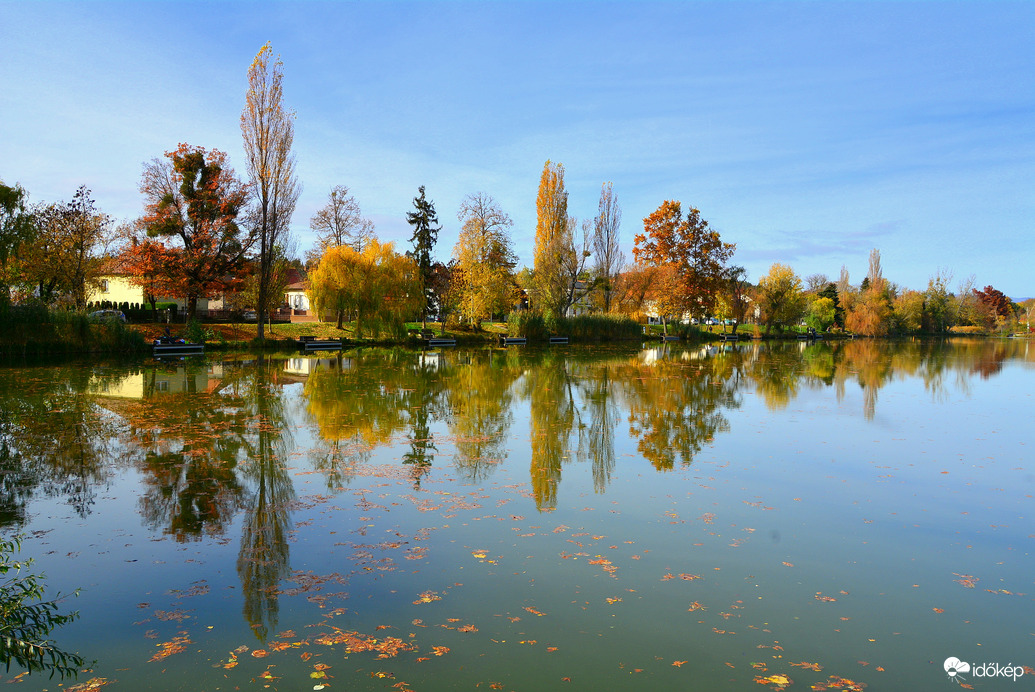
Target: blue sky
806,133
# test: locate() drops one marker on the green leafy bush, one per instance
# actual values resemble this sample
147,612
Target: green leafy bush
26,620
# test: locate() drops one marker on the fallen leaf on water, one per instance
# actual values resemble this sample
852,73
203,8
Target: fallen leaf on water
778,681
174,646
809,666
89,686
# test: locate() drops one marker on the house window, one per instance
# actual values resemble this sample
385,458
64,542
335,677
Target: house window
104,285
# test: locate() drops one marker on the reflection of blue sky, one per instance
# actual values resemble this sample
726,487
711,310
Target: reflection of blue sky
806,133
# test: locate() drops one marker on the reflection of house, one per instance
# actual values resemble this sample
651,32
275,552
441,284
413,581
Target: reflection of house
159,381
304,365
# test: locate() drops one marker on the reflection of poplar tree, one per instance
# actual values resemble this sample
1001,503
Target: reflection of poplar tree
479,398
552,413
262,562
598,439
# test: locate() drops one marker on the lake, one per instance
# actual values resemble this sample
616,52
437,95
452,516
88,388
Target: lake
837,516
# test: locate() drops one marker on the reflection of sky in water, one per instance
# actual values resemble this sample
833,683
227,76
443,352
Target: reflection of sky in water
848,491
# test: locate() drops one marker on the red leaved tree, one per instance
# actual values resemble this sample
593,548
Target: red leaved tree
192,203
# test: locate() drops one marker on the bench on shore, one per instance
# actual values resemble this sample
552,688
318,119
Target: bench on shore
311,343
428,336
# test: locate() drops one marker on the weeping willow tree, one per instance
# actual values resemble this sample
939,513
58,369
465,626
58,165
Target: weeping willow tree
378,287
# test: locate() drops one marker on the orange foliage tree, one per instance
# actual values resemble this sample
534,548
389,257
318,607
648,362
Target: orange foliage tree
695,252
192,201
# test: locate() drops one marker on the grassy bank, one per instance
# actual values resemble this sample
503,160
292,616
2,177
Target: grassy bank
34,330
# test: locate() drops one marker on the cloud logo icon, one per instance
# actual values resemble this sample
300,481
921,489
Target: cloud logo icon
953,666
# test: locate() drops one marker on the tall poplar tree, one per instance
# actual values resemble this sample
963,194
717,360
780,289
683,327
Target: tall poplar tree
553,243
269,132
425,234
606,250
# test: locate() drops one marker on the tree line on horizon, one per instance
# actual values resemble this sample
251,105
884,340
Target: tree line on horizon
205,232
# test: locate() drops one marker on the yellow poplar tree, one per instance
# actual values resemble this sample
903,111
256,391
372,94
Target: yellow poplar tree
553,242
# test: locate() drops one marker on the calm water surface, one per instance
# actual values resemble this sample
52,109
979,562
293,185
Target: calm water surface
843,516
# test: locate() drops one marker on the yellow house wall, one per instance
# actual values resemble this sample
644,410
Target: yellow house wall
120,290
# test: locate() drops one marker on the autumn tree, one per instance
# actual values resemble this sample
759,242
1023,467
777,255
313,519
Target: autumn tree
192,203
820,313
144,259
554,250
425,234
870,311
907,311
937,313
994,306
16,228
269,132
732,301
339,223
694,250
606,250
379,286
845,292
65,256
780,297
482,281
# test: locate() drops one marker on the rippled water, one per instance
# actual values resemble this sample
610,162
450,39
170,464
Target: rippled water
840,515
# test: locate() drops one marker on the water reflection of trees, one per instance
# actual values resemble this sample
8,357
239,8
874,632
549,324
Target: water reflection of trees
189,444
478,401
262,561
362,401
675,400
210,440
192,430
55,441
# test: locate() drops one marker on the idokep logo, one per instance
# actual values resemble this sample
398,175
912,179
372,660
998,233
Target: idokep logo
956,668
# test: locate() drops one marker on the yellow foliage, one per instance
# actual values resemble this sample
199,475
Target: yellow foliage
380,287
